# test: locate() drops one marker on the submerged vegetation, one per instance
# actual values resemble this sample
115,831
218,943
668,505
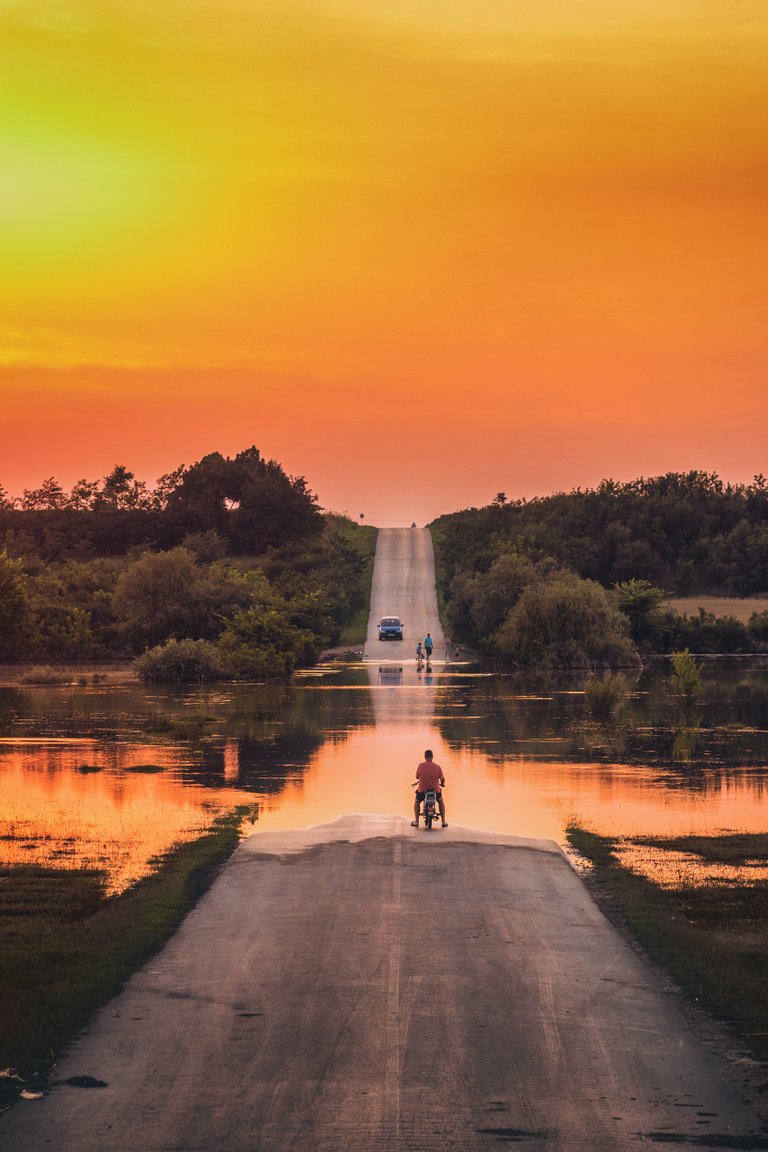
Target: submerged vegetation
710,934
226,569
66,948
604,694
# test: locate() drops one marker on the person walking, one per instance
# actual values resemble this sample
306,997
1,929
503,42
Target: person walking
428,646
429,778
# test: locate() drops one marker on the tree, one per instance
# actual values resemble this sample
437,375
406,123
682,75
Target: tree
122,490
168,595
640,602
155,599
167,485
83,495
15,615
49,495
566,623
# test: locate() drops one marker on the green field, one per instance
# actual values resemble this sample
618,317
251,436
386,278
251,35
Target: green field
718,605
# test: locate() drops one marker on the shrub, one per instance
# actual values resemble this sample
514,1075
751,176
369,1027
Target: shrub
44,675
262,643
685,680
604,694
566,622
182,661
758,629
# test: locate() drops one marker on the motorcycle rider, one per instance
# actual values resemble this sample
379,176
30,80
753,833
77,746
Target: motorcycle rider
429,778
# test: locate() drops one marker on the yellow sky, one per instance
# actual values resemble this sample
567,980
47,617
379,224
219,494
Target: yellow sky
534,233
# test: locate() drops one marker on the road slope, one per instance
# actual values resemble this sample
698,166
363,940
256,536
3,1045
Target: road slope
363,986
404,585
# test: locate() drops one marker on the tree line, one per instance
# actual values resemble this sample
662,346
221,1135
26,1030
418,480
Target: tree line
249,502
227,568
578,579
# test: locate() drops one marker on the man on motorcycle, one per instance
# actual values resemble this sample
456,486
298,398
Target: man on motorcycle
429,778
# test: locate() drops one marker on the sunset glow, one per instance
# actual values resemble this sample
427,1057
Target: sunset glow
524,242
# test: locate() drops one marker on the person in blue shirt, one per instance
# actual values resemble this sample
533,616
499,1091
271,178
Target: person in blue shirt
428,646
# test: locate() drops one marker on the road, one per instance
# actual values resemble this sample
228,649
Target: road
404,586
361,985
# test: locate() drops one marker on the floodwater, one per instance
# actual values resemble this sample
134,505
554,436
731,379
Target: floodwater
110,775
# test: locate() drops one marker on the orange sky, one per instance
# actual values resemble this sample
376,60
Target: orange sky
419,251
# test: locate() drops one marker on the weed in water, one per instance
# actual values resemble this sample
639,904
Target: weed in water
44,676
604,694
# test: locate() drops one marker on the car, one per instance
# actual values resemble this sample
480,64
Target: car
390,628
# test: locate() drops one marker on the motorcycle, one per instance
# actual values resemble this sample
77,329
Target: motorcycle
430,808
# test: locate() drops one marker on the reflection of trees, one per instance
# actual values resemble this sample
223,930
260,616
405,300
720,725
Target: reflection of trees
269,731
276,729
506,717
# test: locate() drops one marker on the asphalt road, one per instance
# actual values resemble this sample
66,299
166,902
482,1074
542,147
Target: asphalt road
361,985
404,586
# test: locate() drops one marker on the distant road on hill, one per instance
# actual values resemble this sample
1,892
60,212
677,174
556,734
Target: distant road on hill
404,586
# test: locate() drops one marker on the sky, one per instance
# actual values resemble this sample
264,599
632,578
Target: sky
418,251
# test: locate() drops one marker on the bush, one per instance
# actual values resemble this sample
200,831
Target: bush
758,629
45,675
566,623
604,694
685,680
262,643
182,661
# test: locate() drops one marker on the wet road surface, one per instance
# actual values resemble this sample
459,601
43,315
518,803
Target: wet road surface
361,985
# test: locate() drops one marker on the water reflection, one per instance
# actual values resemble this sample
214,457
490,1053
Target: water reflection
112,775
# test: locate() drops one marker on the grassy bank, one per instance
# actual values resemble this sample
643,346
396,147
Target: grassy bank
711,935
441,574
65,949
361,537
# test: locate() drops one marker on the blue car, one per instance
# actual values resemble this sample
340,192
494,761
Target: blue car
390,628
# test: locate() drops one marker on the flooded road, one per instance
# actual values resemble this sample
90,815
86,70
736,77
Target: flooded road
319,995
110,775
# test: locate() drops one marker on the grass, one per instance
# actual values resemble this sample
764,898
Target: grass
66,949
441,574
45,675
604,694
361,537
195,726
711,938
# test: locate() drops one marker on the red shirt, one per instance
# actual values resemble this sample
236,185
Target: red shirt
430,776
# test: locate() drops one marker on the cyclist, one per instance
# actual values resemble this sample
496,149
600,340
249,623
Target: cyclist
429,778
